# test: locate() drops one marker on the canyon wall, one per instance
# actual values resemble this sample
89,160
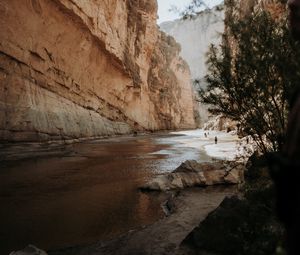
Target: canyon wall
195,36
80,69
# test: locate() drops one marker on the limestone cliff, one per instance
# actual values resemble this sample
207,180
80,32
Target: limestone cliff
76,69
195,36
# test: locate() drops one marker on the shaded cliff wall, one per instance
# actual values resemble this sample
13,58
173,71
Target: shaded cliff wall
164,82
72,69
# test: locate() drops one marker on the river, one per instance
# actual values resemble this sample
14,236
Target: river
90,193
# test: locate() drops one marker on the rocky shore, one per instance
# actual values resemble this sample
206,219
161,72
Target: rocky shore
211,220
186,206
191,174
189,206
200,196
202,220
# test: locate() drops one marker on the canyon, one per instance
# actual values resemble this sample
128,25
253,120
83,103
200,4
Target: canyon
74,69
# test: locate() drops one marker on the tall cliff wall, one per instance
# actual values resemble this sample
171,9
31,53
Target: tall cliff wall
195,36
72,69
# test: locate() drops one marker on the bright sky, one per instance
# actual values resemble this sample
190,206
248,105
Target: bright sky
165,5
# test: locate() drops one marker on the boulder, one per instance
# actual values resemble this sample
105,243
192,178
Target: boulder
240,225
29,250
191,173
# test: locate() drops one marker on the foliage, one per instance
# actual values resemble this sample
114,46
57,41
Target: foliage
253,74
193,8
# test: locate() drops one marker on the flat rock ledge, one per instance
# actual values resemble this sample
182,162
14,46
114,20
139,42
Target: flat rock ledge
191,173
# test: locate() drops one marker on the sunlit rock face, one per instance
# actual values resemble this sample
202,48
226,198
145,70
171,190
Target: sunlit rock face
195,36
221,124
191,173
80,69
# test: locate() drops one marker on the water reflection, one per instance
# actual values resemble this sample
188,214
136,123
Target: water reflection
88,195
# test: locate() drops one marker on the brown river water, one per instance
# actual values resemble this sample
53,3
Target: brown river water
88,194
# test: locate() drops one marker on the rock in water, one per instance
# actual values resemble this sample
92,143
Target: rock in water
191,173
29,250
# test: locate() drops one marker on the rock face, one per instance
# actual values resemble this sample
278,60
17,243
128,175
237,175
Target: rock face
243,224
29,250
195,36
220,123
72,69
238,226
191,173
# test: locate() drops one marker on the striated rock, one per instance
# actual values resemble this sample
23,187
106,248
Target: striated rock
71,69
165,85
191,173
29,250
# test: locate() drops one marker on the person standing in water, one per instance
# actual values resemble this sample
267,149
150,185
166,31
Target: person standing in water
216,140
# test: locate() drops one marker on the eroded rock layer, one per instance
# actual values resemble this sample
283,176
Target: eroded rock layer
73,69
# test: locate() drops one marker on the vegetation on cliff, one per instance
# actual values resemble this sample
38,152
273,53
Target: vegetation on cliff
252,78
253,73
